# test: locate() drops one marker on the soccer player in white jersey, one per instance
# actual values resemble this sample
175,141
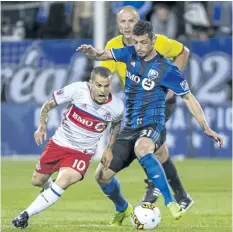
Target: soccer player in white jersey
91,108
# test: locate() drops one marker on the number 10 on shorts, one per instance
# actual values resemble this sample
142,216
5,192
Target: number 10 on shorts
80,165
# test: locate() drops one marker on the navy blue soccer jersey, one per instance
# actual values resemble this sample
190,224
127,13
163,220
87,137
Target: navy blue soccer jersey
146,87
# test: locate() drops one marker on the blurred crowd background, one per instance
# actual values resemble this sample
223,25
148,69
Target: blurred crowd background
179,20
38,56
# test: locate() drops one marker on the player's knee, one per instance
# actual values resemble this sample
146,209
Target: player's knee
162,154
143,146
101,177
97,176
67,177
66,181
38,180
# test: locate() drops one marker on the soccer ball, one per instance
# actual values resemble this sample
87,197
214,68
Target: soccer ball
146,216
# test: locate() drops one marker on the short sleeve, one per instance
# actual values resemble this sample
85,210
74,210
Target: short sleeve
120,111
123,54
66,94
110,64
175,81
168,47
176,48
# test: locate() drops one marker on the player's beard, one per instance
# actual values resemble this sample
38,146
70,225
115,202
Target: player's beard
144,57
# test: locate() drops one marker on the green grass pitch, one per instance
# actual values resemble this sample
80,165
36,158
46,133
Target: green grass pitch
83,207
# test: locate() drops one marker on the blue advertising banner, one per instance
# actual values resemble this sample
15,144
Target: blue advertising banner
32,70
185,137
210,70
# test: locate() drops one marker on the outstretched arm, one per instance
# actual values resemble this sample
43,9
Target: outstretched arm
48,105
197,112
41,132
95,54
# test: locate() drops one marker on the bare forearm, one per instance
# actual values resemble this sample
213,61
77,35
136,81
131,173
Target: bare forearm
50,104
95,54
182,59
115,130
102,55
196,110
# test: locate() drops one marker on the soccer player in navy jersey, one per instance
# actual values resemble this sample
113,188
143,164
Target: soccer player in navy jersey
149,77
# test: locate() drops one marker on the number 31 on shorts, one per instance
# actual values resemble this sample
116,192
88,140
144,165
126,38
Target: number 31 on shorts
146,133
80,165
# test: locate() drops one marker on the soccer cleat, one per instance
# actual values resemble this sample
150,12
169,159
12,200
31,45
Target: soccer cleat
175,210
21,220
185,203
152,193
119,217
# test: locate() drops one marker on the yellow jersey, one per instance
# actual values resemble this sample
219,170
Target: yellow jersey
163,45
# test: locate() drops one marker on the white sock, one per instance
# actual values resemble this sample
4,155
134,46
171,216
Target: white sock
48,183
45,199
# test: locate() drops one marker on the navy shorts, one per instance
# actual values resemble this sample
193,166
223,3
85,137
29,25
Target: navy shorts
123,148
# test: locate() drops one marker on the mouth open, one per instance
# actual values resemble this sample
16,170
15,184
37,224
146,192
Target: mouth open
102,96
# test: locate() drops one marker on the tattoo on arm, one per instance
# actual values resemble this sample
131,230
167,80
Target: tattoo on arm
48,105
115,130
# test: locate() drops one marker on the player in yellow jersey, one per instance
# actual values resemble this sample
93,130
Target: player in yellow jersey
127,17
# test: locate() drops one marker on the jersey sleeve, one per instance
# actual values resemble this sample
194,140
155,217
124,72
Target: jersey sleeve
66,94
168,47
119,112
176,48
110,64
175,81
122,54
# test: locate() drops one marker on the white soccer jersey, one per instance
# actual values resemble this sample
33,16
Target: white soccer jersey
84,121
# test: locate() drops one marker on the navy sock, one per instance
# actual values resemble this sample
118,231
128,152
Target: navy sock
156,174
113,192
174,179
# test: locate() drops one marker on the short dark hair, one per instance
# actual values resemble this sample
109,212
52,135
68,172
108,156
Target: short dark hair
102,71
143,27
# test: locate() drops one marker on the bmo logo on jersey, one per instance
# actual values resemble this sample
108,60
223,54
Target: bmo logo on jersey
82,120
133,77
100,126
148,84
86,121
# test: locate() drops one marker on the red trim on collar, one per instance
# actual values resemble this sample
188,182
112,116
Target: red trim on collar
109,98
